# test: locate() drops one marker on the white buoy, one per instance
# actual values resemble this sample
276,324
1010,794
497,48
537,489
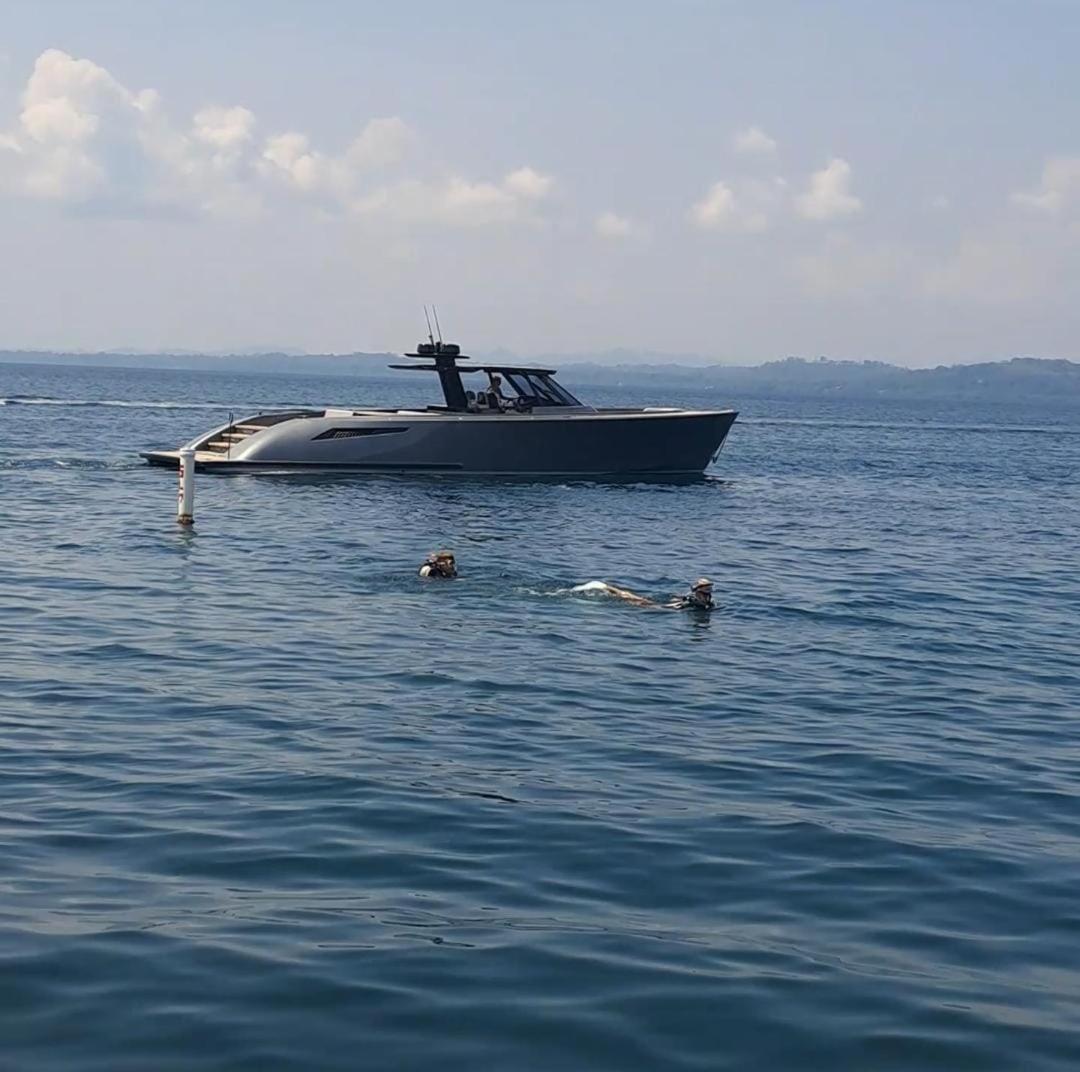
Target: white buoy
185,497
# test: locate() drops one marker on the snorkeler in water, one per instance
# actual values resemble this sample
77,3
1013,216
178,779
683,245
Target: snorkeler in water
439,564
698,597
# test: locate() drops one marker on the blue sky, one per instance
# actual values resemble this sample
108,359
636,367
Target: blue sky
740,180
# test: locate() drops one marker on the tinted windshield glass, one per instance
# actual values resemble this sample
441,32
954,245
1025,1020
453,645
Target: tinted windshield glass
561,393
540,390
518,384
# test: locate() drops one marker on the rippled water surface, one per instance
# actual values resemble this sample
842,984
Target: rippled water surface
267,801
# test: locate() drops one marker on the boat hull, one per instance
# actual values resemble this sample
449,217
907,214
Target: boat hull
600,442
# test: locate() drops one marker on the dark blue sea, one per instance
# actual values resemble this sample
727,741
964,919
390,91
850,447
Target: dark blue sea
270,802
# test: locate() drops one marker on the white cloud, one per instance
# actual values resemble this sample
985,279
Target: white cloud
612,225
382,143
1060,185
66,99
829,196
290,159
77,124
82,138
717,209
753,140
289,162
529,184
223,128
458,202
748,205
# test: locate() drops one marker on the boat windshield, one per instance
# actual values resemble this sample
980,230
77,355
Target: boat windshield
540,389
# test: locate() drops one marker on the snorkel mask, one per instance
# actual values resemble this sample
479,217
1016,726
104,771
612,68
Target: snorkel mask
701,592
443,563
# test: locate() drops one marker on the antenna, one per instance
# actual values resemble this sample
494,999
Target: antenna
428,319
437,328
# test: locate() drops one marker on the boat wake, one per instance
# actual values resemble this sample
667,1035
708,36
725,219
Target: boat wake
588,588
117,403
77,463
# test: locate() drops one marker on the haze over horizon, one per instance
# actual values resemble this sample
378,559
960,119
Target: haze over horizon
898,184
134,357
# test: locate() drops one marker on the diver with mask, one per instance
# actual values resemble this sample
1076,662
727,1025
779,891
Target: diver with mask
439,564
699,597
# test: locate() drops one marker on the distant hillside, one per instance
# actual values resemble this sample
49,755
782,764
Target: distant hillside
358,364
1029,379
1022,377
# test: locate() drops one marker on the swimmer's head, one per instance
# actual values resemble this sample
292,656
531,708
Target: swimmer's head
441,563
701,592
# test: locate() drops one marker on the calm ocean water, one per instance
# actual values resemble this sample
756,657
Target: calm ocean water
267,801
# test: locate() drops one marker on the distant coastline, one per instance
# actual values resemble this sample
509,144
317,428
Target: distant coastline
1048,380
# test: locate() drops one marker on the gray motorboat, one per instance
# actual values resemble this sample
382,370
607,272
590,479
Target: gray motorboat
522,421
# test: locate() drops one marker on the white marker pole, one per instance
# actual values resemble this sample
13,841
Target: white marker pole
185,499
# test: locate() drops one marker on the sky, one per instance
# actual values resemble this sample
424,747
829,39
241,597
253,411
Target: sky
739,180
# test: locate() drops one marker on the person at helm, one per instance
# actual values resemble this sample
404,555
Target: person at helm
493,396
439,564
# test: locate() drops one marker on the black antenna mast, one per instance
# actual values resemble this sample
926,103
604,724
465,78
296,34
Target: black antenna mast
428,319
437,328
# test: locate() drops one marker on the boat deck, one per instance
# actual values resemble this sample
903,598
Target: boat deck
204,459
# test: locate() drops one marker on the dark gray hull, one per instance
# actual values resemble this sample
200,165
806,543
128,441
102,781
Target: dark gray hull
585,442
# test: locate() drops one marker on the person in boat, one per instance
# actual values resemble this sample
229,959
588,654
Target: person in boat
439,564
495,398
698,597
